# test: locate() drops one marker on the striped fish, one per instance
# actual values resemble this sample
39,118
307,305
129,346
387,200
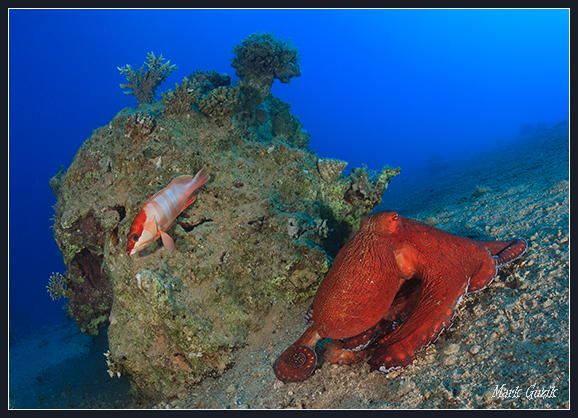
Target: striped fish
159,213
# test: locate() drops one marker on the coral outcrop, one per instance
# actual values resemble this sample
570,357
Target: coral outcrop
259,60
262,231
330,169
263,55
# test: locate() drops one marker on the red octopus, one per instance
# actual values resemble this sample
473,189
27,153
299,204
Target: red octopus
393,288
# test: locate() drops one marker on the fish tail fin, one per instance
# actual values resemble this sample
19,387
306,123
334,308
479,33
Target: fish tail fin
200,178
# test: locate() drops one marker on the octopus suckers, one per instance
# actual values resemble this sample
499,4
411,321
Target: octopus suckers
383,369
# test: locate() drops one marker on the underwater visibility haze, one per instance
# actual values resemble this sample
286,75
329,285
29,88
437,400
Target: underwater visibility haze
416,89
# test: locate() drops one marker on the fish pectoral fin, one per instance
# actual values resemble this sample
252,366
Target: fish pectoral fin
167,241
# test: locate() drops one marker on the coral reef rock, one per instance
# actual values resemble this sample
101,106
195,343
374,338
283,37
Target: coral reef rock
261,232
330,169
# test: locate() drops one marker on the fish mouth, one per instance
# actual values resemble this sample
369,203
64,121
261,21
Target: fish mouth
136,249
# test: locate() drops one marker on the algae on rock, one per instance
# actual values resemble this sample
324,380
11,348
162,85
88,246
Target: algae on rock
176,317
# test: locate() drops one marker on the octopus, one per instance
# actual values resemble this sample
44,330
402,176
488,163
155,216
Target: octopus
392,289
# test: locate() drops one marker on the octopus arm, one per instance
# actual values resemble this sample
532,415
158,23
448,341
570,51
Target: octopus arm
501,253
443,290
505,252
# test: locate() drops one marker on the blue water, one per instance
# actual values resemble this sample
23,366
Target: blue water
377,87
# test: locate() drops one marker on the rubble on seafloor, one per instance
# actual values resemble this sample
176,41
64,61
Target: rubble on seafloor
261,233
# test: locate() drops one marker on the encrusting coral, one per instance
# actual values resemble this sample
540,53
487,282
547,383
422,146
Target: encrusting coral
285,125
262,231
143,83
221,102
139,126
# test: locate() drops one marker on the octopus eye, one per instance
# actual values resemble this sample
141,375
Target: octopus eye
134,237
395,217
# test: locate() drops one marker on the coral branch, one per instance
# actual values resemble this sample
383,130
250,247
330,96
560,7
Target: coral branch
56,286
143,83
181,101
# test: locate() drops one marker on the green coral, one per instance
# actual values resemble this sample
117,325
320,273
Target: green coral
143,83
197,86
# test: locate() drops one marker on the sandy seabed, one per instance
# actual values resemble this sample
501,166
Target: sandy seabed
511,338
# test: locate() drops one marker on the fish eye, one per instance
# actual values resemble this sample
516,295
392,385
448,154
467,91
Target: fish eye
134,237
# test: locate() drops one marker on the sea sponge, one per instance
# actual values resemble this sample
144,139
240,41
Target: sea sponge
143,83
264,55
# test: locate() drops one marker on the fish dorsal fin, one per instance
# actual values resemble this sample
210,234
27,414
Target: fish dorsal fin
181,180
